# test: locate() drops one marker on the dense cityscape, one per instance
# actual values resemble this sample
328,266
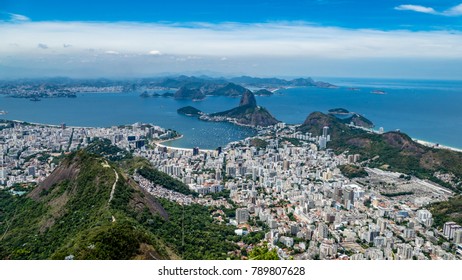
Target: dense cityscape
284,183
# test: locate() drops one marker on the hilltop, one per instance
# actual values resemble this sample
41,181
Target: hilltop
187,93
263,92
247,113
230,89
394,151
86,209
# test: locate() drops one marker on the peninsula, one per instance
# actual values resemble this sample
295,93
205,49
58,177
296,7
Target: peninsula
248,113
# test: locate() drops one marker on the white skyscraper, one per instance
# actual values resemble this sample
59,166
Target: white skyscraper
2,170
325,131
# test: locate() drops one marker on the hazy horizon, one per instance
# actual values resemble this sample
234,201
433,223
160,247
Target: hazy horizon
264,38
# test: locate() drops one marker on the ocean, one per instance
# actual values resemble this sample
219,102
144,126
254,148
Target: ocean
426,110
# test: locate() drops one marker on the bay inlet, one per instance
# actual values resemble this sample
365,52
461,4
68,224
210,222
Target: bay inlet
426,110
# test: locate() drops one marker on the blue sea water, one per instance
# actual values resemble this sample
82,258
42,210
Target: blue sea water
427,110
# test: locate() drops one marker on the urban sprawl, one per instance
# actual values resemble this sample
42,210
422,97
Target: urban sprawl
286,180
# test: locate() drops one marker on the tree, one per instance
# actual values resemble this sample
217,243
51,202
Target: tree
263,253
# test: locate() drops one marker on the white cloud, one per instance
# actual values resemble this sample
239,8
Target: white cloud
17,17
416,8
111,52
154,52
101,48
454,11
226,40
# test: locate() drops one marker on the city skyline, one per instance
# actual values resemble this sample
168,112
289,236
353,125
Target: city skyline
396,39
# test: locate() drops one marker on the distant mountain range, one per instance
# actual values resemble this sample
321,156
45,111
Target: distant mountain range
186,87
245,81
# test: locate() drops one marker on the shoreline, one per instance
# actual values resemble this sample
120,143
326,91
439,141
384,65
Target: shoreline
159,144
436,145
52,125
420,141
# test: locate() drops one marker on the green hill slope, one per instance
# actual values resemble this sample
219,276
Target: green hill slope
89,208
71,214
395,150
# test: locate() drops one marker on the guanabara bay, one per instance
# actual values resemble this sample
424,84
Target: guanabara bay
331,187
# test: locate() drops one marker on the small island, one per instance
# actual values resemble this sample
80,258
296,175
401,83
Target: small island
145,95
263,92
190,111
348,117
188,93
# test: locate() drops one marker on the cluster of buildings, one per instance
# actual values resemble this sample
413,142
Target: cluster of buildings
309,209
31,90
201,171
29,153
294,193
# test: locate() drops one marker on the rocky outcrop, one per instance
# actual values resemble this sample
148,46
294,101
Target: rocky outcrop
248,99
188,93
247,113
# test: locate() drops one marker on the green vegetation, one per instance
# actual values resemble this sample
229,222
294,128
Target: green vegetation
293,141
189,111
164,180
4,124
291,217
204,238
68,214
258,143
263,253
189,93
223,194
405,177
393,149
353,171
358,120
253,237
263,92
104,148
447,211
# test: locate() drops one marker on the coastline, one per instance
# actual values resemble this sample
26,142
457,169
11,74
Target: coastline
51,125
159,143
436,145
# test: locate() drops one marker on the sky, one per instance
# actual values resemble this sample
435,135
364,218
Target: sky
409,39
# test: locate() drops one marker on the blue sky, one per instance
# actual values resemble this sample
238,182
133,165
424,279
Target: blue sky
343,13
390,38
